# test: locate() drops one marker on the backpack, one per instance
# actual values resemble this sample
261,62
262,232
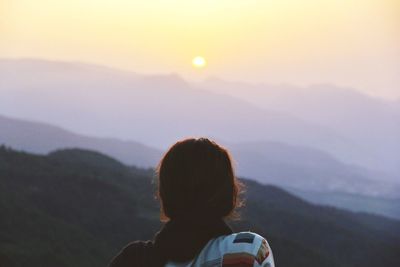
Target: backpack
243,249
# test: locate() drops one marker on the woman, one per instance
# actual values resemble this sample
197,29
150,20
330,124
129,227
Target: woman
198,190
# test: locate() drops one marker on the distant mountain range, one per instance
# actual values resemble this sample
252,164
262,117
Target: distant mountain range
78,208
157,110
319,139
373,124
42,138
309,173
354,202
268,162
310,170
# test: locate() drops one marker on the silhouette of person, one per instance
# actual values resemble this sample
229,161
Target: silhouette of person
198,191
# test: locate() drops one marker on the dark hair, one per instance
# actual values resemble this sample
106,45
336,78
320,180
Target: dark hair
196,178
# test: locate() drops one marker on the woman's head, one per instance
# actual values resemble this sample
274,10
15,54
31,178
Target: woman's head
196,178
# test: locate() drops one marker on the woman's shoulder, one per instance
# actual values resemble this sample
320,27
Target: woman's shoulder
133,254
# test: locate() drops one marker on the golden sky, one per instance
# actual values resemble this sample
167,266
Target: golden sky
347,42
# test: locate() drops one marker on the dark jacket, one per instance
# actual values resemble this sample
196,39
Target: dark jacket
179,240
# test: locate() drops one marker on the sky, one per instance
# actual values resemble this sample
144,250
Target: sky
352,43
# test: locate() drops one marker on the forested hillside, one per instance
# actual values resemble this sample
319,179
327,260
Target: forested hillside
78,208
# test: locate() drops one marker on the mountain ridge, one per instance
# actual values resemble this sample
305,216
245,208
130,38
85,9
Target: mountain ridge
267,162
104,104
73,205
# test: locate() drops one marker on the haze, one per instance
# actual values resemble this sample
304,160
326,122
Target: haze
349,43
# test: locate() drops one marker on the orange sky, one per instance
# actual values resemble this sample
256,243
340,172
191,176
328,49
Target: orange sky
347,42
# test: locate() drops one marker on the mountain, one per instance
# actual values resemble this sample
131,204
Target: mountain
354,202
42,138
153,110
372,124
309,169
267,162
78,208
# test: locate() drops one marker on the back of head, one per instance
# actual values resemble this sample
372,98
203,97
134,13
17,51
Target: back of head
196,178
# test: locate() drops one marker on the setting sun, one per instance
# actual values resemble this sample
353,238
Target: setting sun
199,62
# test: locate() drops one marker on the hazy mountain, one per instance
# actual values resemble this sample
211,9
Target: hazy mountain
309,170
78,208
372,124
268,162
354,202
153,110
42,138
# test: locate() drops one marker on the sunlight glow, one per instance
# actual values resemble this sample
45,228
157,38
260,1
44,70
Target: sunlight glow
199,62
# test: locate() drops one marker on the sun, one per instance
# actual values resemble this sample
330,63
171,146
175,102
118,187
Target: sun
199,62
